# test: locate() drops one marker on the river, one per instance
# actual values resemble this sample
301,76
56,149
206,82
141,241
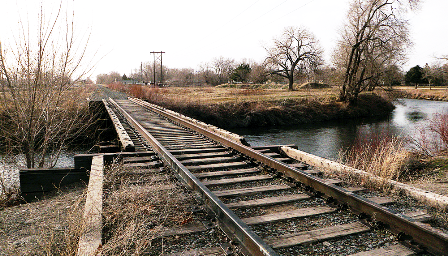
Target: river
328,139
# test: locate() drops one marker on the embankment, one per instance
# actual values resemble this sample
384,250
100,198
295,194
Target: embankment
436,94
279,112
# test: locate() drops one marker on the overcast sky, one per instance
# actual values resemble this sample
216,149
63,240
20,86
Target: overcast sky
196,31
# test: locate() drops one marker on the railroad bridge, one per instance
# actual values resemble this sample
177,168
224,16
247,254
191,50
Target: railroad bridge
272,200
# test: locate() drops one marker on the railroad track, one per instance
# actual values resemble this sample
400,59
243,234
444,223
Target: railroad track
269,204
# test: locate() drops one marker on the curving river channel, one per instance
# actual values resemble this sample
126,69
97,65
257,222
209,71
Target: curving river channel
328,139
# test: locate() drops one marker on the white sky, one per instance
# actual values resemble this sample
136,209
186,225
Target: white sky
196,31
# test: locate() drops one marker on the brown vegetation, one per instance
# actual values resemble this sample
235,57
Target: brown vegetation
253,107
383,155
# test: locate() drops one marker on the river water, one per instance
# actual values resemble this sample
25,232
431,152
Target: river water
327,139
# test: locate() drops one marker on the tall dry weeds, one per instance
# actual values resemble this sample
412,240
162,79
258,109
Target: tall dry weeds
385,156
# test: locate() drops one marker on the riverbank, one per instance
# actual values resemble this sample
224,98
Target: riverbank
242,107
423,93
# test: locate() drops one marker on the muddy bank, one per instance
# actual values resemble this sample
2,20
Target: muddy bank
280,113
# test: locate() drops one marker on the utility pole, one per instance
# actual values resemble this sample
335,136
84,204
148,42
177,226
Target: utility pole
141,72
161,66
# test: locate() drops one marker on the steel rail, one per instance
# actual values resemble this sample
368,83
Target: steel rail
434,241
233,226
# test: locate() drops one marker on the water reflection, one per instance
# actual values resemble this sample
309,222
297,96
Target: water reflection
329,138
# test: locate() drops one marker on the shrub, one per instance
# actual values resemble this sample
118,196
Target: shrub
439,125
136,91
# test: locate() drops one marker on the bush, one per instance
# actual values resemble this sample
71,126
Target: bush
439,125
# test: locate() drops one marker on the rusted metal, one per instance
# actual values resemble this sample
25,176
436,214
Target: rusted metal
434,241
230,223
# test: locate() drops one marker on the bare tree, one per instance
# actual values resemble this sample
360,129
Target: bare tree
375,36
108,78
223,68
258,74
42,104
296,51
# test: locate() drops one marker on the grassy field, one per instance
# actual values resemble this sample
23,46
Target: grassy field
213,95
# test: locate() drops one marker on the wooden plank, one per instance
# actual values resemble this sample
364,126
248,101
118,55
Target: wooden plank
158,134
153,164
248,191
196,151
212,251
390,250
312,172
317,235
418,215
90,240
236,180
264,151
279,216
193,227
208,160
174,134
300,166
268,201
284,159
203,155
139,159
332,181
226,173
34,182
272,154
381,200
218,166
355,189
183,140
187,145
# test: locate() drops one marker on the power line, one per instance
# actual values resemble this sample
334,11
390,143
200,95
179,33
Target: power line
247,24
242,12
296,9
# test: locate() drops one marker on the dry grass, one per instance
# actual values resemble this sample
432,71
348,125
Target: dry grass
385,156
64,241
49,226
213,95
136,211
